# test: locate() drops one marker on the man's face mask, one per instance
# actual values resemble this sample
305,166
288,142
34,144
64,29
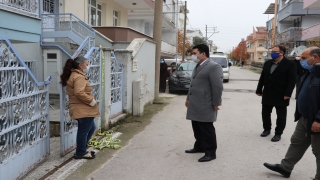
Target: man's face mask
305,65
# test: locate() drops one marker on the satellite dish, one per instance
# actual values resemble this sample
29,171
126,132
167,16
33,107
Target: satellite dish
248,44
298,50
265,54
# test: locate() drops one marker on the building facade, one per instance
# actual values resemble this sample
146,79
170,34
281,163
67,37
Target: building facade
295,22
256,43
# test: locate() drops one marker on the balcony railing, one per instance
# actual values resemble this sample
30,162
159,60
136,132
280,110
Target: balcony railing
168,48
250,50
310,4
311,32
169,13
295,8
289,35
25,7
121,34
261,49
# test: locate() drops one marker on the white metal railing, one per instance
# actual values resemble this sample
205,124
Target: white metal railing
167,12
66,22
25,7
168,48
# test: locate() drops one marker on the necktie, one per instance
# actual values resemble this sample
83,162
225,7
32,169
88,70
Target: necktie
197,67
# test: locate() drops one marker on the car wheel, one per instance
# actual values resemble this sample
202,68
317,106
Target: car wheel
171,91
173,64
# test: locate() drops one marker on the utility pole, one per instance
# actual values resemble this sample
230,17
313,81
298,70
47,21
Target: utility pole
184,30
157,37
274,23
206,32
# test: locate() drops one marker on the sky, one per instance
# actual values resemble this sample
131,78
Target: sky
234,19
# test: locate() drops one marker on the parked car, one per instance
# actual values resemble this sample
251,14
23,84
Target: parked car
230,62
225,64
181,77
173,62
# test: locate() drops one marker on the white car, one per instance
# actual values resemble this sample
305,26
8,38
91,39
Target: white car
173,62
225,64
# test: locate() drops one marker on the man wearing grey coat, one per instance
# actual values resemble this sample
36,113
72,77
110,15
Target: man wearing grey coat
203,101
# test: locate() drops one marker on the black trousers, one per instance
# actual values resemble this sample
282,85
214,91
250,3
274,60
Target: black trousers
281,118
205,135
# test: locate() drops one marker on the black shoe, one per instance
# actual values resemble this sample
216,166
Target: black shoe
265,133
277,168
193,151
276,138
206,158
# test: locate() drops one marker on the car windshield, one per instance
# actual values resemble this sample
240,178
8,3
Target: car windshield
186,66
220,60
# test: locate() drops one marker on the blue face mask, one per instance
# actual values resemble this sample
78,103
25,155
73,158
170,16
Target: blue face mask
275,55
305,65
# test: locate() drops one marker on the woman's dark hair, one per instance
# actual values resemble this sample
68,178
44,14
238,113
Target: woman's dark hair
70,64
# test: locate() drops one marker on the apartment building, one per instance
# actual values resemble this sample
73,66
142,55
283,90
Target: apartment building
294,20
256,44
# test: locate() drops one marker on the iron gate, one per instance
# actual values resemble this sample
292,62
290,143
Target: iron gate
24,115
68,127
116,87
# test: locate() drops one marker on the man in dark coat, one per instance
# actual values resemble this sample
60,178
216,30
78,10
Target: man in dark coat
275,85
203,101
307,114
163,76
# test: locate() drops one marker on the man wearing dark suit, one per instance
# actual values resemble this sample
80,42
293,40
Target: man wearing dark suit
203,101
275,85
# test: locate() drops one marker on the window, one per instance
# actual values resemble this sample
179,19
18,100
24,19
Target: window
94,13
187,66
220,60
48,6
115,18
260,45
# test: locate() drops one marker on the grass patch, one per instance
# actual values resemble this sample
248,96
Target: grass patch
256,70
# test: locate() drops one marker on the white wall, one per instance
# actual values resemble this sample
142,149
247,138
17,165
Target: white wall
143,52
169,37
310,20
137,25
31,51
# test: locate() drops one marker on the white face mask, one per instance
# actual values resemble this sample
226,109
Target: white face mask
298,58
195,59
86,70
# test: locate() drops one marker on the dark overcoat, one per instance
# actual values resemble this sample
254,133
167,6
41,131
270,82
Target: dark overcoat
280,83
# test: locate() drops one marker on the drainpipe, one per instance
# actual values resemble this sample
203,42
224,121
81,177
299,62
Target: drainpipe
274,23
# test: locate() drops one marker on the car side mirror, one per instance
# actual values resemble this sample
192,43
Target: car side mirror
230,64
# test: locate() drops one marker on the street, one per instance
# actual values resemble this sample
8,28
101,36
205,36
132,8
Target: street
158,151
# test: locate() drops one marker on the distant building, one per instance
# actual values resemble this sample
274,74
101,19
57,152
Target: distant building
256,43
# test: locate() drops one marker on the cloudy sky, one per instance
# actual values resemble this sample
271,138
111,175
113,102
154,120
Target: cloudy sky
234,19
